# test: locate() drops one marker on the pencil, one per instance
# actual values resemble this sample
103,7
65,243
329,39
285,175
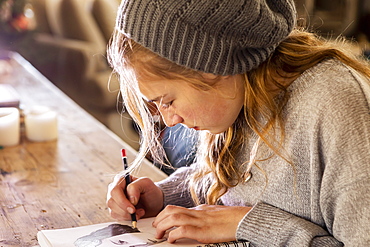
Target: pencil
128,181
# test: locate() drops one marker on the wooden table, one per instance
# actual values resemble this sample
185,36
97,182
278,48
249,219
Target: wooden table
58,184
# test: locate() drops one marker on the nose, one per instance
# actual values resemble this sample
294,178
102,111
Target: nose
171,120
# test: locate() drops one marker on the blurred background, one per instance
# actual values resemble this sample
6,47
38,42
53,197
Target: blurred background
66,41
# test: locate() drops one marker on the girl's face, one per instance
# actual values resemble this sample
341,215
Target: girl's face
180,103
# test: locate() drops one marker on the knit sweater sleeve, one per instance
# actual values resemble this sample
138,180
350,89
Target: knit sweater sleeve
266,225
175,188
343,153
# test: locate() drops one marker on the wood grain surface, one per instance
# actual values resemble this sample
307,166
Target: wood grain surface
62,183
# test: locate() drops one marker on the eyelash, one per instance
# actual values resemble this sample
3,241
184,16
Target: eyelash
166,105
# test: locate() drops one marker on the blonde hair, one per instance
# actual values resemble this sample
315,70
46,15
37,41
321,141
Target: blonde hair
261,116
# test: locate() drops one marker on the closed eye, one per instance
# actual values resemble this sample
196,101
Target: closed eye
166,105
159,102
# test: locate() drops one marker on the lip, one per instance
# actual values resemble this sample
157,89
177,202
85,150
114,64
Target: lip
194,127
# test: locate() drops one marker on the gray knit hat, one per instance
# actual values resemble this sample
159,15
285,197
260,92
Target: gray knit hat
223,37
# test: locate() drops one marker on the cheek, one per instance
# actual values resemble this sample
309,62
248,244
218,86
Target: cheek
223,114
190,113
203,109
207,114
218,114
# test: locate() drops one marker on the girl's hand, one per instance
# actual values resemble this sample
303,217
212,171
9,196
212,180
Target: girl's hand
204,223
142,197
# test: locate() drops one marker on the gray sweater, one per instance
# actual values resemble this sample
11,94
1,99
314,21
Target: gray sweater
324,198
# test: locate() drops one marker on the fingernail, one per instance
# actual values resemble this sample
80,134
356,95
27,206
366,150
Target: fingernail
130,210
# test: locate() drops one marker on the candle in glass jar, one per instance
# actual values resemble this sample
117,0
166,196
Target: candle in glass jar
41,124
9,126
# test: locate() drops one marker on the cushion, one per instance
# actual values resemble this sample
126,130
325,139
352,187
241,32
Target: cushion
104,13
72,19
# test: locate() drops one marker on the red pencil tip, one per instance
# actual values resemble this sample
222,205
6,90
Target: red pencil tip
123,152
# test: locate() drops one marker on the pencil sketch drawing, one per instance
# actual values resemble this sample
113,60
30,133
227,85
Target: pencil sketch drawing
95,238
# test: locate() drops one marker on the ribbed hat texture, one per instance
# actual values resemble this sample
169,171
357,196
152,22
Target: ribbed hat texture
223,37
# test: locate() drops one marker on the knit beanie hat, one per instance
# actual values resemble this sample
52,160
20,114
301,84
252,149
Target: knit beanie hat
222,37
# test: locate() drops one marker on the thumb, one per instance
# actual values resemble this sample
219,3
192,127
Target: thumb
133,191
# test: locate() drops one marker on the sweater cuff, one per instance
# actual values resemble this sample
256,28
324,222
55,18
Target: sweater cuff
262,224
266,225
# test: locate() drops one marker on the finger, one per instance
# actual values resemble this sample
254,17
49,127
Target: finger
136,190
118,195
119,217
140,212
128,197
116,211
170,210
173,216
133,191
118,192
144,193
186,231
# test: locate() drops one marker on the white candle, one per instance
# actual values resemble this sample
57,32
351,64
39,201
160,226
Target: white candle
41,124
9,126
